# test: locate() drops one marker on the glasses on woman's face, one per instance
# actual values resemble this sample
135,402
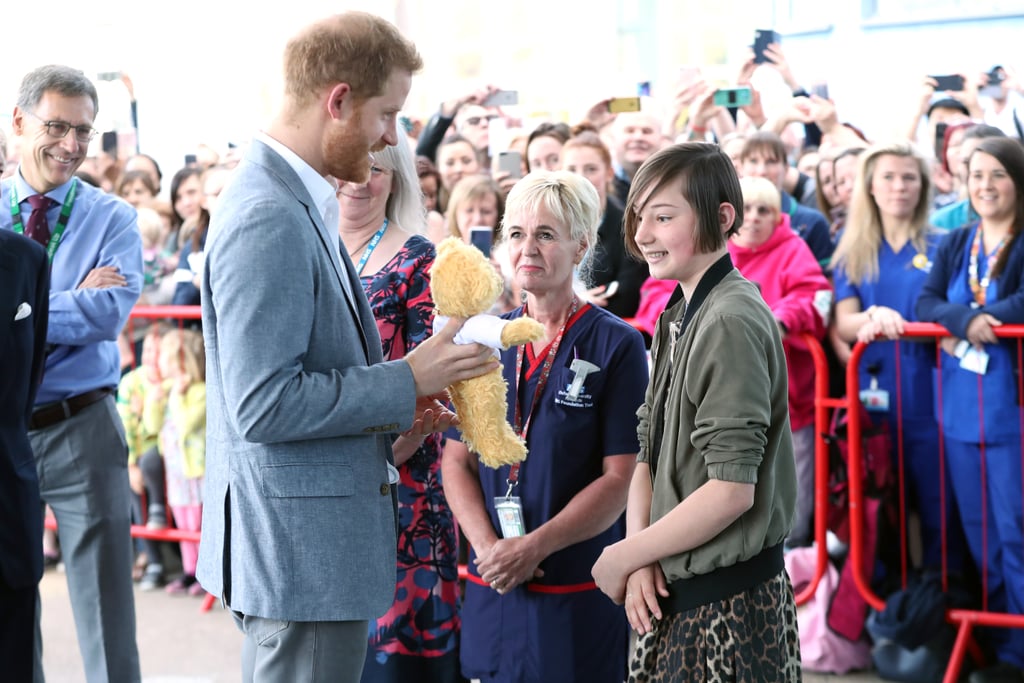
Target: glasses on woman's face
60,129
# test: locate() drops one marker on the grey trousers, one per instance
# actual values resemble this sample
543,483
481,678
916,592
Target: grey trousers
803,453
83,476
277,651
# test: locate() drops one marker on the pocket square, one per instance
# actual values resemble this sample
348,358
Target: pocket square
24,311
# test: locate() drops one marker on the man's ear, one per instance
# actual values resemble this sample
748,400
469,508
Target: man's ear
339,98
17,121
726,216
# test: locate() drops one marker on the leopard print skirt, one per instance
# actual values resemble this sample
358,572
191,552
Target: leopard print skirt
750,637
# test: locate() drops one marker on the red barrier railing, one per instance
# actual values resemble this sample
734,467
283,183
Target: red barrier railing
822,407
964,619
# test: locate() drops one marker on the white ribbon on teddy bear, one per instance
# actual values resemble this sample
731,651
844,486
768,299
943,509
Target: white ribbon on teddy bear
483,328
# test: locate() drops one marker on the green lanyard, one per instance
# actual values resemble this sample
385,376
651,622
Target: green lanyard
62,221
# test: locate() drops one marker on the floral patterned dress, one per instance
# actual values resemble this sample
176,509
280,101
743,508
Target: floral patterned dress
417,639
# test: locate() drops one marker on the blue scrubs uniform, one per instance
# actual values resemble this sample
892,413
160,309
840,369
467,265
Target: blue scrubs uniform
984,408
900,279
560,627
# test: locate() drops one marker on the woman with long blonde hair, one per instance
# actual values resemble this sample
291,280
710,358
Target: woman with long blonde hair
879,267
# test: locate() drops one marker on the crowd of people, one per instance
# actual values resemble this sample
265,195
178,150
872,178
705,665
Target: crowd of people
676,257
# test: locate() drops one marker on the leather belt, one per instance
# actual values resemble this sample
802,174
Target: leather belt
52,413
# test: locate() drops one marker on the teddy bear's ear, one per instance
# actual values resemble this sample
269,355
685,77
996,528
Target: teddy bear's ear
448,244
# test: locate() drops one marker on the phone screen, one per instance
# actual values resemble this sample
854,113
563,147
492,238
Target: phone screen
482,237
733,97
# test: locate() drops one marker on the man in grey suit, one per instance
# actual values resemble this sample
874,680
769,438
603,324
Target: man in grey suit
299,516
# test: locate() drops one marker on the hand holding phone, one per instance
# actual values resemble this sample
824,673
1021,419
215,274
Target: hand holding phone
762,39
501,98
618,105
510,162
733,97
951,83
994,83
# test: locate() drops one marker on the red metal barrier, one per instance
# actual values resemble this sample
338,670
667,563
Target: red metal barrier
822,407
965,620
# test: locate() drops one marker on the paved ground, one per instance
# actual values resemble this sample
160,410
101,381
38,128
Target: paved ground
177,644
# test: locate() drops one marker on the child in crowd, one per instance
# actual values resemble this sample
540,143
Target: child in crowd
178,414
133,391
155,265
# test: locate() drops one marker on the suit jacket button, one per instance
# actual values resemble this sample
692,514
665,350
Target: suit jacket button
385,489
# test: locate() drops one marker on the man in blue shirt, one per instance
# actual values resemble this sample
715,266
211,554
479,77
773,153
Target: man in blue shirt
95,255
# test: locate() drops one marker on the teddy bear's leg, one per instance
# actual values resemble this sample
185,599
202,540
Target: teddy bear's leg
480,404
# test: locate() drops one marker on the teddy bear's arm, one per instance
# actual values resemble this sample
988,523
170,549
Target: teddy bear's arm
521,331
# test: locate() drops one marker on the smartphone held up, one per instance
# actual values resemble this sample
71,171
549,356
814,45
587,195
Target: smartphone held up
482,237
511,163
762,39
733,97
618,105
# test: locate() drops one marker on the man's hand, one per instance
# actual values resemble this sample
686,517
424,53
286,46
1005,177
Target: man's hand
439,361
103,277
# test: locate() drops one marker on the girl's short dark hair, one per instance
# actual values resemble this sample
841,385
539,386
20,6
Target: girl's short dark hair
707,179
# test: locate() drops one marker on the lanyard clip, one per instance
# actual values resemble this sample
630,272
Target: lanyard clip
511,485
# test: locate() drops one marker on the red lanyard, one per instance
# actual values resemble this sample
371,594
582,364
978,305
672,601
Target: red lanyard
520,428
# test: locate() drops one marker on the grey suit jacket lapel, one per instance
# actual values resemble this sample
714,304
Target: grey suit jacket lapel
331,242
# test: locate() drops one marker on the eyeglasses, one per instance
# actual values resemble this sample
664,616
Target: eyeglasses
477,120
59,129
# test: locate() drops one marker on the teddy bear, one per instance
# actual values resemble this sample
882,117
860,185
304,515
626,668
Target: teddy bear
464,284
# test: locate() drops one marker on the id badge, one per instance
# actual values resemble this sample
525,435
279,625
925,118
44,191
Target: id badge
875,400
975,361
510,516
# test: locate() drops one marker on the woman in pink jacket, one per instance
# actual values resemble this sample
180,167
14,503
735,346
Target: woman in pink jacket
769,253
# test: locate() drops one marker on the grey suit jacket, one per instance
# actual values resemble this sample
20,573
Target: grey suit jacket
298,519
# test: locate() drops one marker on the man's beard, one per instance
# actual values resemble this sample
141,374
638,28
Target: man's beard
346,154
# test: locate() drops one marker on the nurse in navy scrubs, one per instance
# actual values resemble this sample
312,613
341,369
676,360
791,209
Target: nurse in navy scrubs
976,285
532,612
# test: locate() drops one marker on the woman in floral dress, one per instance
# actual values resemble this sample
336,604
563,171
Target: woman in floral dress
381,225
